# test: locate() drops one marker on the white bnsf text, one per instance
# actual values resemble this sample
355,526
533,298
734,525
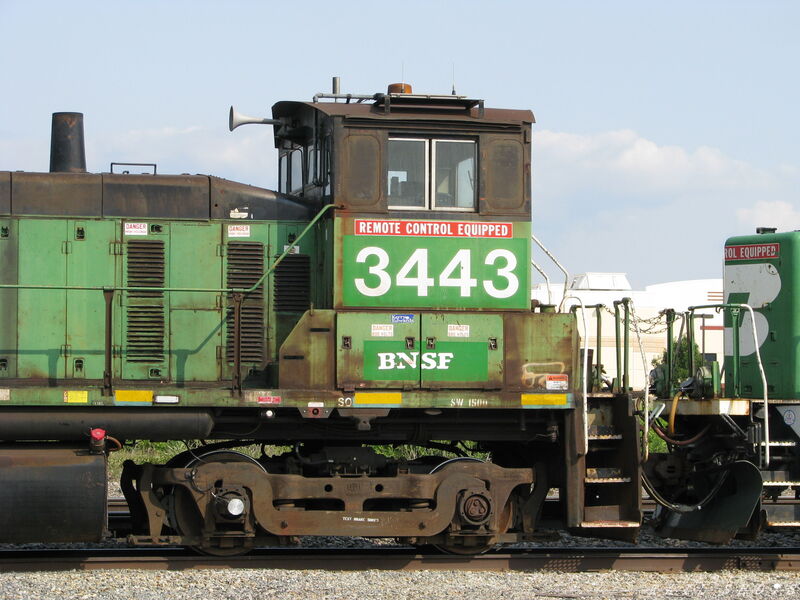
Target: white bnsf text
410,360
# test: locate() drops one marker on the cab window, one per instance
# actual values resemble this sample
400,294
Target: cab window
296,168
431,174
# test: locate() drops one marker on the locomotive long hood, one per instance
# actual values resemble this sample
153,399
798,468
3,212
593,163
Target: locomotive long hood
142,196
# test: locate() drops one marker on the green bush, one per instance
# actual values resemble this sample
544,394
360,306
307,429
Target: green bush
680,361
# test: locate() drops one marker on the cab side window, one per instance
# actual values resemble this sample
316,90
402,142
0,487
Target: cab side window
432,174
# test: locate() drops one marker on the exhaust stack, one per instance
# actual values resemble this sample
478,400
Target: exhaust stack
67,151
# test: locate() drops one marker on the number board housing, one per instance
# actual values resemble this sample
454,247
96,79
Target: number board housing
432,264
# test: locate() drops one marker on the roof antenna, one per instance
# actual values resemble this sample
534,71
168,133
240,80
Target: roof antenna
403,73
454,80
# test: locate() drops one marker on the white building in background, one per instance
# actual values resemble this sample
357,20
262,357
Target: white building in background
605,288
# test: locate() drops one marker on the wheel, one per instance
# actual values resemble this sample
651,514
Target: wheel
183,513
503,523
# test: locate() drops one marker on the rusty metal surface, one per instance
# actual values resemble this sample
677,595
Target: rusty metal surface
305,356
465,498
142,196
67,151
232,200
62,194
162,196
5,193
51,494
365,110
539,345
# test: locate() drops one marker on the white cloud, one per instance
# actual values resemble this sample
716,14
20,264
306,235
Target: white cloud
778,214
247,156
616,201
626,164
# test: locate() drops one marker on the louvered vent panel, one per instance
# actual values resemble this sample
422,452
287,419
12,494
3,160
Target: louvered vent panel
145,326
145,267
245,268
293,283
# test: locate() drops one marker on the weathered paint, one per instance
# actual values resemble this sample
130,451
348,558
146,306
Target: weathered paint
298,398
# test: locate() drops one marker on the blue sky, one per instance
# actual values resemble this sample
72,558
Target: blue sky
662,128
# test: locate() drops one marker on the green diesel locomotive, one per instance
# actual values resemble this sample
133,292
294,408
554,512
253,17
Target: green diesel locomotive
380,297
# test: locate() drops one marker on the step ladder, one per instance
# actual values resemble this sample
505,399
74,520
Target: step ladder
607,471
782,511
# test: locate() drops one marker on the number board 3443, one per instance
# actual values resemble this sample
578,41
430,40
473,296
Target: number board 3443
435,264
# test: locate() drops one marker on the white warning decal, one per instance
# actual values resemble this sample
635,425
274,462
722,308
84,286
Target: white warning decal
382,330
238,231
458,331
135,228
559,381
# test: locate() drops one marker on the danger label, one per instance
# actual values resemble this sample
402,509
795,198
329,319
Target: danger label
433,228
457,330
557,382
238,231
135,228
752,252
382,330
269,399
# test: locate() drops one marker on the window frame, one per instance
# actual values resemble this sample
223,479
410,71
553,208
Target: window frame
293,188
283,178
425,187
474,208
430,175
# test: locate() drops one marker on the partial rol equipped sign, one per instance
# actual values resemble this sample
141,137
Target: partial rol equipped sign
752,252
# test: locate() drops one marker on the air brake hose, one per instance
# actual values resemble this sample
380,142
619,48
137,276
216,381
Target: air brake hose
660,433
672,412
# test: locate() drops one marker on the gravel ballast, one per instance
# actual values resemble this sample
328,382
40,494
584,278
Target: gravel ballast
366,585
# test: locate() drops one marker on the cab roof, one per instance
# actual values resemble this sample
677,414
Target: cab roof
391,107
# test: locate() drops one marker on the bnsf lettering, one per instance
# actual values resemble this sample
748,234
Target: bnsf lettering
410,360
752,252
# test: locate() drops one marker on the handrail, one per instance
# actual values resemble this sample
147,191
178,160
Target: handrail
536,266
585,363
758,359
597,380
252,288
558,264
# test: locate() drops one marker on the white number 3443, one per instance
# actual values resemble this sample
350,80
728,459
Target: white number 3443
457,273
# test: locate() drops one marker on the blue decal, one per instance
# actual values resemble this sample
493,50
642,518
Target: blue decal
402,318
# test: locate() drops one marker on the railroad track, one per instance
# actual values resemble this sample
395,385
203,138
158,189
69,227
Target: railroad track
563,560
567,559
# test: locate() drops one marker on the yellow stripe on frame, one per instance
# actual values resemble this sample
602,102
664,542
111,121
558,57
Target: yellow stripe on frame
76,397
363,398
140,396
543,399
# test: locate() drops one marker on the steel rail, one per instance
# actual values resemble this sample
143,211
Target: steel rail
400,559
